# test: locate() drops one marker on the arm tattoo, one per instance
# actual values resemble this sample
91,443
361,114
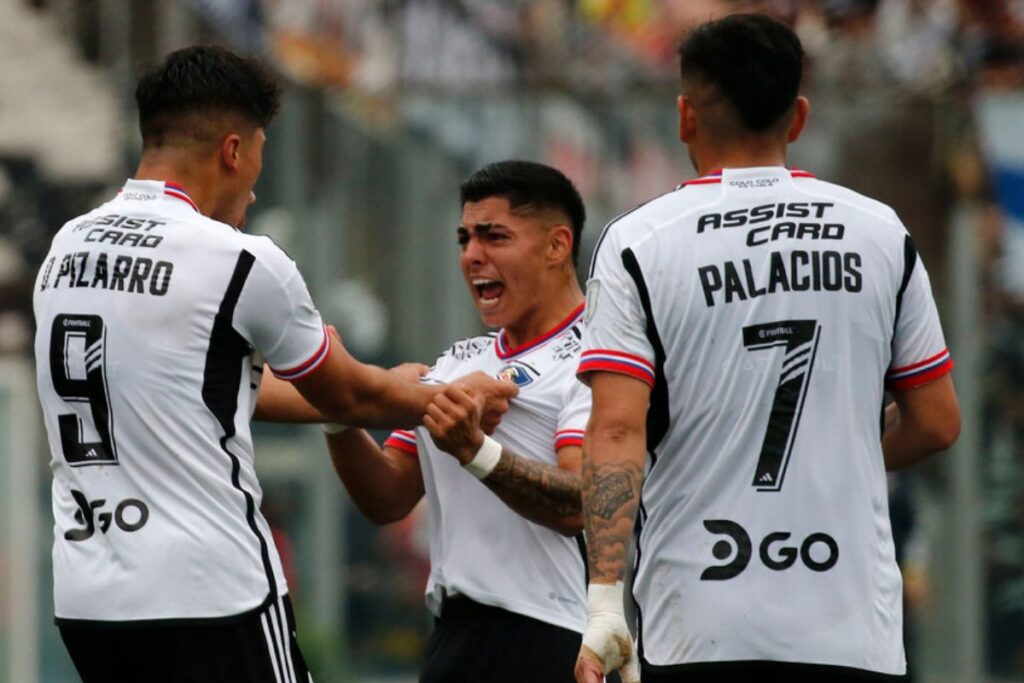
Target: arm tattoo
611,494
542,493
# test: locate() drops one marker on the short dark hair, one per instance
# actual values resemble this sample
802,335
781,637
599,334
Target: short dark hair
754,61
528,187
197,82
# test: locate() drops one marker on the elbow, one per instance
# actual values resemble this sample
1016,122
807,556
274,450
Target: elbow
383,515
387,511
945,434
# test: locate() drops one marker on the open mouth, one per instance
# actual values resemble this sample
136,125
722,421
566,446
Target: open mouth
489,291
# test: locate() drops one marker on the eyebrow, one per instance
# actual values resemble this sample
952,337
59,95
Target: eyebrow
479,228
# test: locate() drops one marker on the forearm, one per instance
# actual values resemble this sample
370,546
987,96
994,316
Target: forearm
542,493
902,446
382,399
612,475
383,483
279,401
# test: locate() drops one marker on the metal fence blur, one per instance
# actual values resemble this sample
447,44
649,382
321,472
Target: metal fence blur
918,103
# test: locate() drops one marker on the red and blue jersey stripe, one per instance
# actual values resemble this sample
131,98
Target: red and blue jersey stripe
920,373
568,437
311,364
607,360
402,440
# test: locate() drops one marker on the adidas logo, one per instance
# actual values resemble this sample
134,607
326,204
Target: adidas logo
766,478
91,453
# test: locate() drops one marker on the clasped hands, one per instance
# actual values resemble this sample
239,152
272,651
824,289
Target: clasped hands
463,411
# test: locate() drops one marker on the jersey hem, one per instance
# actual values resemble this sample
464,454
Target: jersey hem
531,611
764,666
165,621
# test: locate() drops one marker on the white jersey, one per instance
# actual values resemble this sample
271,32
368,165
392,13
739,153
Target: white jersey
767,310
153,326
480,547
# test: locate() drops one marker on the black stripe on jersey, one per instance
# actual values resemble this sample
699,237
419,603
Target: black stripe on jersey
657,412
638,527
909,261
222,378
604,233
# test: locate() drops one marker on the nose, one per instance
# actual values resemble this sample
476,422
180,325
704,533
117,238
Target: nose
473,252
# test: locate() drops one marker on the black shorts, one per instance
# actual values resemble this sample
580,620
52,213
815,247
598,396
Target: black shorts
474,643
254,647
742,672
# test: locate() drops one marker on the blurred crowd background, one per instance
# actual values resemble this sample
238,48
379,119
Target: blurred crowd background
389,103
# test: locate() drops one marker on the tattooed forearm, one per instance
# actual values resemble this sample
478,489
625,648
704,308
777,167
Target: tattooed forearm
609,493
610,497
542,493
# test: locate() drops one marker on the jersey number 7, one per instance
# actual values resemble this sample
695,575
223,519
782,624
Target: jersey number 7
77,365
800,337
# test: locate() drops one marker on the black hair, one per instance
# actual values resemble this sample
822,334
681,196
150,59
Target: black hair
754,61
194,83
528,186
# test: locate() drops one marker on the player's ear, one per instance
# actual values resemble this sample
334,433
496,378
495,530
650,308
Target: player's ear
796,126
559,244
687,119
230,150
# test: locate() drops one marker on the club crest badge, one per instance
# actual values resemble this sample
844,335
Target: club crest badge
519,373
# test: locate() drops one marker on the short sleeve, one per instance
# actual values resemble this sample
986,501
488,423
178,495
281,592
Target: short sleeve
276,314
403,440
919,353
572,420
615,338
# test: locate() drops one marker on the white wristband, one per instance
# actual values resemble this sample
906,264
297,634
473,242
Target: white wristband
331,428
485,460
604,598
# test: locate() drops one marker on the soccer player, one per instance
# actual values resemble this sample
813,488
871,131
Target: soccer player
507,579
155,317
742,331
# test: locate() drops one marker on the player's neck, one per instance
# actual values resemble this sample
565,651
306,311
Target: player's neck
545,318
750,155
170,167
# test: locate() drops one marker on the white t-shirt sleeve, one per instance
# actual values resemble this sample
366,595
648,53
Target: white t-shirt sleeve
572,420
276,314
615,338
919,353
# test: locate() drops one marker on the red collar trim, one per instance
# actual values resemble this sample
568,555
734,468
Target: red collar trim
716,177
179,192
504,352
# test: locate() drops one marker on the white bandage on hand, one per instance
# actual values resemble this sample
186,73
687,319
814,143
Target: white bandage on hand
607,635
331,428
485,460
